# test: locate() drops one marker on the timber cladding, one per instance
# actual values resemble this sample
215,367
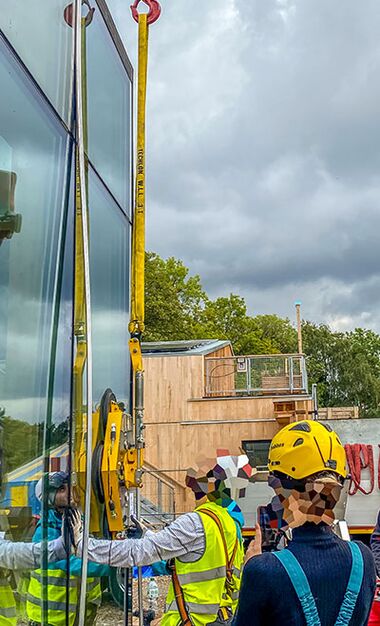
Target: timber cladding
181,424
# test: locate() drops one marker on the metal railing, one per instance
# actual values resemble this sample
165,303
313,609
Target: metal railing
158,498
258,375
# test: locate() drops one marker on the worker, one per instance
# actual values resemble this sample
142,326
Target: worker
318,576
374,619
20,556
206,545
62,598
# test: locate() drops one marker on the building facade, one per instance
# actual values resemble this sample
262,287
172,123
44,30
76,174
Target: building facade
40,282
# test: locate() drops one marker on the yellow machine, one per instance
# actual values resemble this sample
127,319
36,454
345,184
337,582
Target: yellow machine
117,436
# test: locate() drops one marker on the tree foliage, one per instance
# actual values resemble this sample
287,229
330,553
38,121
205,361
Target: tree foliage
345,366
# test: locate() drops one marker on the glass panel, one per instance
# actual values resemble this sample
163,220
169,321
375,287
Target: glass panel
38,32
109,269
109,112
109,265
33,162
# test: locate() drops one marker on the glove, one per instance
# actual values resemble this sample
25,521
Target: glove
73,521
138,529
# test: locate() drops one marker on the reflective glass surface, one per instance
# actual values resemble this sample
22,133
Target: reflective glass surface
38,32
109,112
109,265
34,409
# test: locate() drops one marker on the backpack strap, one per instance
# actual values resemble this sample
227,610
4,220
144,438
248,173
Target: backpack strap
301,586
353,586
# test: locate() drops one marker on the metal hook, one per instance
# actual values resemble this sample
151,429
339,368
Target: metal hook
68,13
154,10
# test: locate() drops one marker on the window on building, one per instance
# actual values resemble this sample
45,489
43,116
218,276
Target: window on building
257,452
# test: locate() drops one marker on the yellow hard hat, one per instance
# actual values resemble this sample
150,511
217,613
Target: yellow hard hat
304,448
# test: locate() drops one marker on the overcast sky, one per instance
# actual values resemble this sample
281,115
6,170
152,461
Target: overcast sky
264,150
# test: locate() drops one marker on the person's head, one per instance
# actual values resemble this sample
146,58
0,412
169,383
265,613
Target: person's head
58,493
307,465
220,479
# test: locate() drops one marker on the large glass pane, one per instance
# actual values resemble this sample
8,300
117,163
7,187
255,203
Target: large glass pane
109,270
109,112
38,32
109,264
33,195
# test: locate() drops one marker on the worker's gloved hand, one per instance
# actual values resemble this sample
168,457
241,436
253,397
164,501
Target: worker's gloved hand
138,529
73,522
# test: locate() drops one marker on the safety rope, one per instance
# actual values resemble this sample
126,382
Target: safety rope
360,457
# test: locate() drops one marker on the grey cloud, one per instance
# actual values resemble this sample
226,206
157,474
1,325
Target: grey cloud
264,159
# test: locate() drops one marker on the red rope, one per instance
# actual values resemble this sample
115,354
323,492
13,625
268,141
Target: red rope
359,457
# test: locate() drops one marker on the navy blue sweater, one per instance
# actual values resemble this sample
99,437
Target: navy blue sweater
267,597
375,544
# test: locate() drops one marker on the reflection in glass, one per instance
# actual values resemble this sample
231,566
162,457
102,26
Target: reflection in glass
33,162
109,265
109,112
43,40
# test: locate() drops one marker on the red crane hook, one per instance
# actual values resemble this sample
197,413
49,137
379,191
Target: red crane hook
154,10
68,13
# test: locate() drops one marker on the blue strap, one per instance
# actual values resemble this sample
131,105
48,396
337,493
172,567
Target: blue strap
303,591
301,586
353,586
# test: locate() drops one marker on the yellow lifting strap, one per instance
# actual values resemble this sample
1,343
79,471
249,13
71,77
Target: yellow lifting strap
137,320
136,324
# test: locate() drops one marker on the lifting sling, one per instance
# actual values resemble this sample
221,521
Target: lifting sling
136,324
303,591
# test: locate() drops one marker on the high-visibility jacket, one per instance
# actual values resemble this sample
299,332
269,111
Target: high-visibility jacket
55,583
62,591
203,582
8,613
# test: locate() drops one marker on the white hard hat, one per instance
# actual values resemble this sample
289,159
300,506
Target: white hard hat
55,481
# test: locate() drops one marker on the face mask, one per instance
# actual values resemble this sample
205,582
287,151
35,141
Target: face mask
310,501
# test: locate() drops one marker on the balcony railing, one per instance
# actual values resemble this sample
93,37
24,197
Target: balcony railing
158,498
258,375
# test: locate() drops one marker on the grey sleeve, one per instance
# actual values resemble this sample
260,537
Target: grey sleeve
18,555
185,535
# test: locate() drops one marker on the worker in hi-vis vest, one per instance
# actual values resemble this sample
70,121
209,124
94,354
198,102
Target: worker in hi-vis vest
318,579
205,547
18,556
62,596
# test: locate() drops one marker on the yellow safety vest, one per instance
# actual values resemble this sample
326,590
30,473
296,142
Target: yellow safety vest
203,581
93,599
8,613
58,604
56,593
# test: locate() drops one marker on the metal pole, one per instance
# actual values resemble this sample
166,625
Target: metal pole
299,326
86,268
139,442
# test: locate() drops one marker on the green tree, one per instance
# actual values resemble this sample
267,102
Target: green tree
278,331
174,301
345,367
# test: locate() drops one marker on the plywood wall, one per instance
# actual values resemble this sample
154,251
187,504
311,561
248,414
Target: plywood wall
181,425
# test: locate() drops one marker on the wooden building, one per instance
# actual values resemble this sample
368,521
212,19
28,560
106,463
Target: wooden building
199,397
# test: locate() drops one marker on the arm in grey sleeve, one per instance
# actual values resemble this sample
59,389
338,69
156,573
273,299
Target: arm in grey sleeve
18,555
185,535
